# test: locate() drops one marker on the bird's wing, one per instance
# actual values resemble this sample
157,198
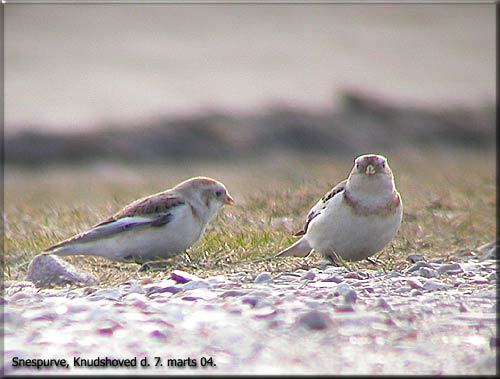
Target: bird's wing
111,228
320,205
149,206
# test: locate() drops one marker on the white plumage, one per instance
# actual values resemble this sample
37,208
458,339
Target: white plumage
155,227
355,219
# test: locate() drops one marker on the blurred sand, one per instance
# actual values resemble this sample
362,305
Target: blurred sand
70,67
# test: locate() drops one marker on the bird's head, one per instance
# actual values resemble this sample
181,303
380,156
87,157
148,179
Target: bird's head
210,192
371,164
370,173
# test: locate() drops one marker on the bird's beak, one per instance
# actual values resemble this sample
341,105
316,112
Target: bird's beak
229,200
370,170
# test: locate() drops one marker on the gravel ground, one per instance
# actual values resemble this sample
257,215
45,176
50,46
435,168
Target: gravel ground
435,318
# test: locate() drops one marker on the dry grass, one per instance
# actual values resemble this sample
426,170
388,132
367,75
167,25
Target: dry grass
449,199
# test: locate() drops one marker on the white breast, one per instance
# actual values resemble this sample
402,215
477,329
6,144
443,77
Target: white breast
353,237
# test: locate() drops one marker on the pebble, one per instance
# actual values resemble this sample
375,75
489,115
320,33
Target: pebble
415,292
183,277
108,294
415,283
263,277
47,270
427,272
247,323
195,284
431,285
450,269
314,320
416,258
476,279
342,289
418,266
382,303
333,278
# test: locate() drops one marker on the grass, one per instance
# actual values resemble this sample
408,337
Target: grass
449,210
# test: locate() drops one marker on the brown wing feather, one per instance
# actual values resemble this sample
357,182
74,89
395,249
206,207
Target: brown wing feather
320,205
159,203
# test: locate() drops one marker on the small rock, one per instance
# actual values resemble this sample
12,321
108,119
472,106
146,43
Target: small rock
47,270
437,260
416,258
350,297
415,292
314,320
183,277
158,334
109,294
427,272
309,275
232,293
171,289
345,290
342,289
356,275
465,253
432,285
415,283
418,266
451,269
195,284
382,303
476,279
263,277
255,301
333,278
394,274
136,288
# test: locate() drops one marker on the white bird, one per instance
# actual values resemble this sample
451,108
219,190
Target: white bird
155,227
355,219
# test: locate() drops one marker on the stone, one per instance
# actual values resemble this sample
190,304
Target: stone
427,272
314,320
183,277
450,269
263,277
414,258
431,285
46,270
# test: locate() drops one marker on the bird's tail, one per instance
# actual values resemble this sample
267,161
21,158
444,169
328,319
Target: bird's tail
301,248
69,249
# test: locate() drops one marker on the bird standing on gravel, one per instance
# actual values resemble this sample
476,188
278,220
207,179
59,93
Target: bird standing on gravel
158,226
355,219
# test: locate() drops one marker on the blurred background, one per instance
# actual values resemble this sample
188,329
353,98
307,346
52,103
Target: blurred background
165,83
108,103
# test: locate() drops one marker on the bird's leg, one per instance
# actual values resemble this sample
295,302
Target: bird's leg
158,265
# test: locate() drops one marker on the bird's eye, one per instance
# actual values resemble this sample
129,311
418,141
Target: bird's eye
383,164
218,193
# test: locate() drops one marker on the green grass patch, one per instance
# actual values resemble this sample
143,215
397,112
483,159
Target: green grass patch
449,202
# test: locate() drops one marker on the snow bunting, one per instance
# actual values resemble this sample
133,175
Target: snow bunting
355,219
158,226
